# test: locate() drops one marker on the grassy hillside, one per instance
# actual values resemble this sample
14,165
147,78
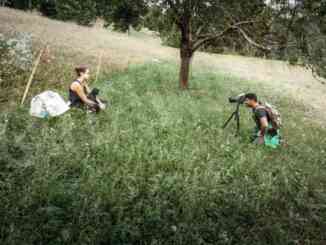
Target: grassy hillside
156,168
120,50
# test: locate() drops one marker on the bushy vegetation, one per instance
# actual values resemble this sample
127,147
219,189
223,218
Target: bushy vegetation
156,168
16,57
121,14
82,11
124,14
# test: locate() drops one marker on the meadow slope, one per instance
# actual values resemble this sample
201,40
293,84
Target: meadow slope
155,167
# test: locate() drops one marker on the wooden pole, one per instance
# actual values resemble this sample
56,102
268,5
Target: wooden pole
37,62
99,66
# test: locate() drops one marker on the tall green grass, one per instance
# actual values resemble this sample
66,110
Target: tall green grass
156,168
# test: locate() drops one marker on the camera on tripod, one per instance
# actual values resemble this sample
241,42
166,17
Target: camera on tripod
239,100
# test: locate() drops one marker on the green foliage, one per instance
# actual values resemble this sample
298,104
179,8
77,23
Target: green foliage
124,14
156,168
48,8
121,14
16,59
155,20
171,37
21,4
300,31
82,11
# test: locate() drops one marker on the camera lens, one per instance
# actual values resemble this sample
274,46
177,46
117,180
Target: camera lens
233,100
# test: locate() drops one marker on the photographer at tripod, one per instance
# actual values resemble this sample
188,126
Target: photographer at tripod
267,121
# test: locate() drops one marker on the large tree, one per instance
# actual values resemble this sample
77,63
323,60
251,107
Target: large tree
201,22
284,29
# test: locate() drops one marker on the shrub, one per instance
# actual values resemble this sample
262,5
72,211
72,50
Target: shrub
171,37
82,11
17,51
48,8
16,57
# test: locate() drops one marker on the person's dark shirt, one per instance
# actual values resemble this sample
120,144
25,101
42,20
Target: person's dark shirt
259,113
75,100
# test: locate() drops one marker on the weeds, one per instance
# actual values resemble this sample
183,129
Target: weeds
156,168
15,61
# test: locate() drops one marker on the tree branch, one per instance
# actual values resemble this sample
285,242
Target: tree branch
200,29
250,40
207,38
201,42
245,22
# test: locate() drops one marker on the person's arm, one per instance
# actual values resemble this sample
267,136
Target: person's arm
80,92
263,127
263,121
88,90
101,105
99,102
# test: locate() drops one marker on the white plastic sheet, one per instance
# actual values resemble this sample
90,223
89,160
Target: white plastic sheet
48,104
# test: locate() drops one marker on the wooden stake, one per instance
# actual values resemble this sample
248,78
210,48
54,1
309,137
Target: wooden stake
37,62
99,66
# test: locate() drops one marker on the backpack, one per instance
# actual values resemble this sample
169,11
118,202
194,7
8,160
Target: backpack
273,114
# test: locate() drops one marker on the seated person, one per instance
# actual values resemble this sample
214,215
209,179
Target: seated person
81,96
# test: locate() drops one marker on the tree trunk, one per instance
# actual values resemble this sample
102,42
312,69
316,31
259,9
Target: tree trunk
185,71
186,54
186,50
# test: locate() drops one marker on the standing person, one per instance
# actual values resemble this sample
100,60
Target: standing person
265,131
80,95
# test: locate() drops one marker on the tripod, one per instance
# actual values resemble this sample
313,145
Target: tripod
236,116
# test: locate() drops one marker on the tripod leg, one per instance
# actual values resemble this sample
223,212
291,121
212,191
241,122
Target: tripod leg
229,120
238,125
237,118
